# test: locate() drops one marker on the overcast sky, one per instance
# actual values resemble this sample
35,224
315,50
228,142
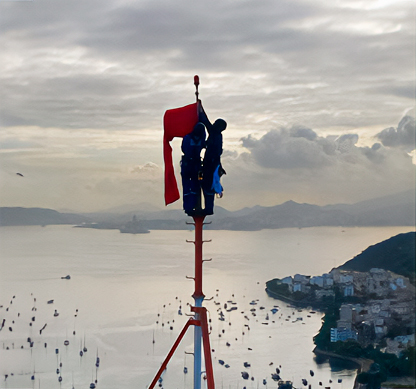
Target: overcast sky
319,97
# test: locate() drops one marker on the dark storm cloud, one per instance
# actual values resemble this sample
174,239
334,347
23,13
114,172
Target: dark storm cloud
402,136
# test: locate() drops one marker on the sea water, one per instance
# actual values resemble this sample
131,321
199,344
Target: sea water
128,298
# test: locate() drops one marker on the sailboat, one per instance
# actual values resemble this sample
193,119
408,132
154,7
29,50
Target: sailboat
85,347
81,353
97,361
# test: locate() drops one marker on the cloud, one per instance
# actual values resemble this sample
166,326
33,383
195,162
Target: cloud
118,64
301,147
282,165
403,136
84,85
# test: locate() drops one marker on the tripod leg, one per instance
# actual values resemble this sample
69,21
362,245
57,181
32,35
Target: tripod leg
172,350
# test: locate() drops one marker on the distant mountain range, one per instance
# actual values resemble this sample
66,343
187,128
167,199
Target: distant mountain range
394,210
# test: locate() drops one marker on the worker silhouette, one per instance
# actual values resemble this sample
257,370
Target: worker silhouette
191,169
211,166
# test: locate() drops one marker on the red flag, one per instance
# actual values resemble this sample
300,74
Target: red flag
177,122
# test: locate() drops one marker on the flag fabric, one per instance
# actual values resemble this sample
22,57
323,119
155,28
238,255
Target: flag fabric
177,122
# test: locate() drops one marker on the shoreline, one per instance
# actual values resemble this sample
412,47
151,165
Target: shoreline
297,303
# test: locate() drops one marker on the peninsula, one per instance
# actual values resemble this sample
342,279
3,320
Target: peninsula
369,305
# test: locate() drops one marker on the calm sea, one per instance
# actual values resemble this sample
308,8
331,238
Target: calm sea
126,291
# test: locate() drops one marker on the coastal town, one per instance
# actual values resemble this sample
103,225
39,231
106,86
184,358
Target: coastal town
378,309
369,319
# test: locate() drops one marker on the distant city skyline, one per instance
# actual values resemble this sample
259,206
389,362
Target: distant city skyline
319,98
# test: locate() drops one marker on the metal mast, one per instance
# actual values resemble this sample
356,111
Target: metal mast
199,320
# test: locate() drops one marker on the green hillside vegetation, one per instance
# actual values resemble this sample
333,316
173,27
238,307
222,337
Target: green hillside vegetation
396,254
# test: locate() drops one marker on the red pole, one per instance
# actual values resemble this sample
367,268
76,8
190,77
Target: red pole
202,311
199,221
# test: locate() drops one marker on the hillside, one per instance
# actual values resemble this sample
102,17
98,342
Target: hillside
17,216
396,254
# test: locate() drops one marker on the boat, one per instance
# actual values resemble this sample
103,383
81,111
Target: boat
67,277
85,347
285,385
92,385
56,313
50,301
185,370
66,343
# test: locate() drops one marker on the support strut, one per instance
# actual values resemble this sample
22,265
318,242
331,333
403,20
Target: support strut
201,332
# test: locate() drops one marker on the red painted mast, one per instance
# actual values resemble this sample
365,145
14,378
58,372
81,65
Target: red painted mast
199,320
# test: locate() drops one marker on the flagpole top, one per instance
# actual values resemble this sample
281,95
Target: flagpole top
196,83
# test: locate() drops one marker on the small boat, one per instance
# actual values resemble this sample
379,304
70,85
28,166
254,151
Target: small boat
244,374
311,373
304,382
67,277
60,379
185,370
92,385
221,362
56,313
66,343
50,301
97,361
85,347
285,385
